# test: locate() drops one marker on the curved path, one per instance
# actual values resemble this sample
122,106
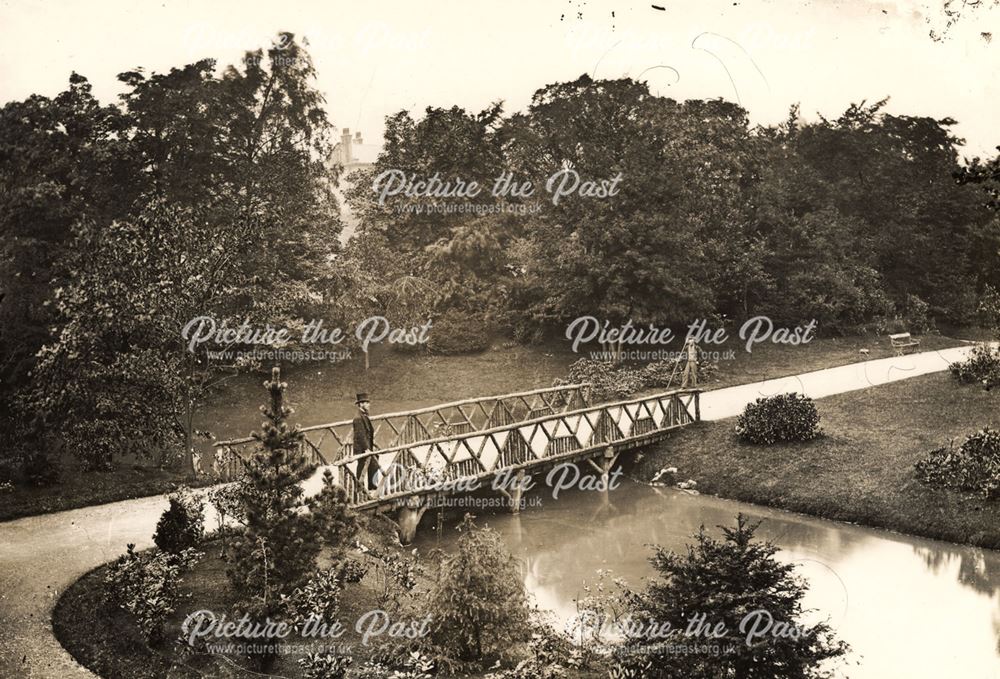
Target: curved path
41,555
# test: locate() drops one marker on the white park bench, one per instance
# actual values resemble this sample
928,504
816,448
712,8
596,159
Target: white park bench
902,341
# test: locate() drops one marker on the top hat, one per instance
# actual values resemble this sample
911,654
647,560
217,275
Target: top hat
362,397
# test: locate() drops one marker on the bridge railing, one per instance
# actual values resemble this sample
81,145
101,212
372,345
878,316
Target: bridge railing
328,443
434,465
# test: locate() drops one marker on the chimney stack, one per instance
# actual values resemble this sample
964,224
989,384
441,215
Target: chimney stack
346,152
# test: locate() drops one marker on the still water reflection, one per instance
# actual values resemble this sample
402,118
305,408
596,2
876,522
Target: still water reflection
908,607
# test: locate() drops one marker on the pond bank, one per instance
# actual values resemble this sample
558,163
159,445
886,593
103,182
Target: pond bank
861,470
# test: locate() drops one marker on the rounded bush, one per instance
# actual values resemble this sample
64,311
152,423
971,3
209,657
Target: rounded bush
606,380
774,419
182,525
973,466
982,365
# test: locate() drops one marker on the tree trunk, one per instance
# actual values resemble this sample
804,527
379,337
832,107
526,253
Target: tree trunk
613,350
189,419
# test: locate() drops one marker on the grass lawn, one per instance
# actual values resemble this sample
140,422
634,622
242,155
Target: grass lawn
862,469
399,381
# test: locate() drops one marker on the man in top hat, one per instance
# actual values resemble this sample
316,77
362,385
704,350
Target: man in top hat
364,441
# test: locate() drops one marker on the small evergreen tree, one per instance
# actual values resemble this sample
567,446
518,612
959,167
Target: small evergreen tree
276,553
478,604
724,581
278,549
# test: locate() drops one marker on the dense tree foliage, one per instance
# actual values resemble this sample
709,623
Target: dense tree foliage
856,221
207,191
200,195
61,160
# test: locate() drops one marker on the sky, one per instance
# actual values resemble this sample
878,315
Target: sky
375,58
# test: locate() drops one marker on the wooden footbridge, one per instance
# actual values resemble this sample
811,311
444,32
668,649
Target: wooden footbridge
423,455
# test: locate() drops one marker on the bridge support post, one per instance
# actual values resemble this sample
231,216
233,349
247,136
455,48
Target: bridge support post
516,492
604,464
410,513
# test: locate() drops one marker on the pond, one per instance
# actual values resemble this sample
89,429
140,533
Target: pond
908,607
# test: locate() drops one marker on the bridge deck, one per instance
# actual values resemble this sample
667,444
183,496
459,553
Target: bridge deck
442,449
446,464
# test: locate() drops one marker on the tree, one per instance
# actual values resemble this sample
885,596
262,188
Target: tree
892,176
276,551
61,159
284,531
478,604
374,278
440,259
233,219
452,143
249,149
987,173
120,377
646,253
725,581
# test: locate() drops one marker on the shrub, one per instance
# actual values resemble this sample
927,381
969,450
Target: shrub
395,577
974,466
458,333
395,662
610,381
478,604
319,598
146,586
982,365
325,666
334,521
667,372
412,665
917,316
773,419
353,571
40,470
549,657
607,381
227,500
182,524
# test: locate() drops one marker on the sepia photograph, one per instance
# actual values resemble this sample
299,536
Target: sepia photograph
547,339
